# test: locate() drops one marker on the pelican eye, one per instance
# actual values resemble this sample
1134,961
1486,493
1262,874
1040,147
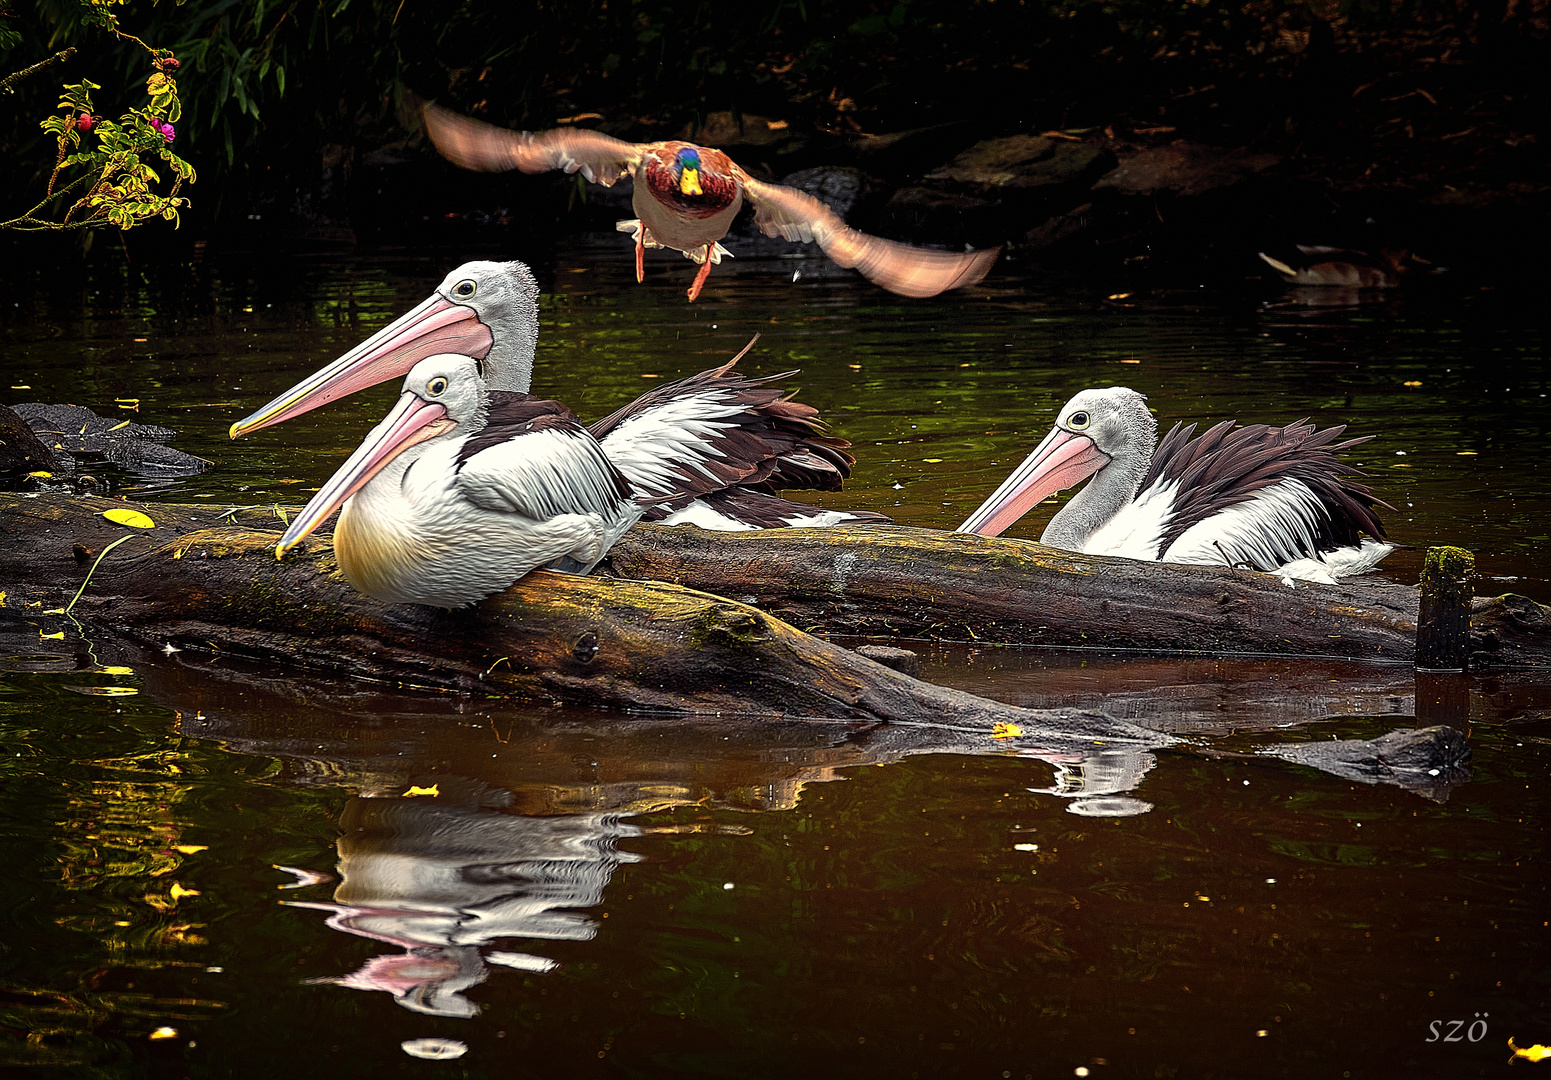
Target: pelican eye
465,289
436,387
1078,421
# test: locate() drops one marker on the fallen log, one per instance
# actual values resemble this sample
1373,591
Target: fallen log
890,581
199,582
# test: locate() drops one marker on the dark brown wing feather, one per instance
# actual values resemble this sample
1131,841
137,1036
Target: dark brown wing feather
512,415
770,443
483,147
900,268
1224,467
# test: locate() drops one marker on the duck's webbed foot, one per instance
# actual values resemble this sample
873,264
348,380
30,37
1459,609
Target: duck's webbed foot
643,240
707,257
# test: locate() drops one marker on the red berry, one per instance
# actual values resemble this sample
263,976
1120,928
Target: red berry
84,123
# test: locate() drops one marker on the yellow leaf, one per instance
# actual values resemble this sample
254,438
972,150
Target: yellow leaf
1006,731
432,791
932,460
41,474
105,691
55,611
165,1033
2,598
179,553
52,637
1533,1053
191,849
133,518
116,670
1412,382
177,891
125,424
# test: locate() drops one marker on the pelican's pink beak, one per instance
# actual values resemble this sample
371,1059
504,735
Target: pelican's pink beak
413,420
435,326
1060,461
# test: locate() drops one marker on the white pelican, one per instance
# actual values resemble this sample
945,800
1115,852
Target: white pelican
1274,499
459,492
707,450
686,196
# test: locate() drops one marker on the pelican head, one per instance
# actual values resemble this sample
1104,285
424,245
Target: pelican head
485,310
689,171
442,393
1091,430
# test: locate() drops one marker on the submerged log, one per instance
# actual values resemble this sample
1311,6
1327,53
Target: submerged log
905,582
202,584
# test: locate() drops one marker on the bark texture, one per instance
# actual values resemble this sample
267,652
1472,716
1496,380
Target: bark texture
204,583
893,581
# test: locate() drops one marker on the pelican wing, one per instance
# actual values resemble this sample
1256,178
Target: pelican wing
719,430
535,459
483,147
899,268
1275,494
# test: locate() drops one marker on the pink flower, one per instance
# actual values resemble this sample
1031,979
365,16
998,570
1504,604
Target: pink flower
168,133
169,64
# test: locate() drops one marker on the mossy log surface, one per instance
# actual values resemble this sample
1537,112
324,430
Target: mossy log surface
201,582
894,581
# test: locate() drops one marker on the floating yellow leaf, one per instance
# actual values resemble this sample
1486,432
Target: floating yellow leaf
55,611
1006,731
433,791
177,892
133,518
191,849
1413,382
52,637
1117,296
41,474
22,387
932,460
165,1033
105,691
1464,453
1532,1053
116,670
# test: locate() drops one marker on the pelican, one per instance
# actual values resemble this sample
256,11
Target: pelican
686,196
707,450
460,492
1273,499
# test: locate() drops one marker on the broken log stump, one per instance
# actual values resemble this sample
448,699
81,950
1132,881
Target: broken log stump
1443,619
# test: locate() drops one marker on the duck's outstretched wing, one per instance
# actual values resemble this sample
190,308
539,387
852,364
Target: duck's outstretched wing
899,268
484,147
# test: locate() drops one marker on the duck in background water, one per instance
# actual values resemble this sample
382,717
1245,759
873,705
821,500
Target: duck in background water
1343,268
1273,499
709,450
459,492
686,196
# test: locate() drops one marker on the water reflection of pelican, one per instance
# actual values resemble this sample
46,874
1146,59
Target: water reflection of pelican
444,881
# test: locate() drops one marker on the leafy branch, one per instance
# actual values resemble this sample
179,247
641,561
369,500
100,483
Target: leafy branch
101,176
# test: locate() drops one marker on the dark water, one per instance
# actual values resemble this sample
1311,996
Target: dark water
598,895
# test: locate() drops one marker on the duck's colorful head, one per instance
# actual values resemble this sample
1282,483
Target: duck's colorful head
689,171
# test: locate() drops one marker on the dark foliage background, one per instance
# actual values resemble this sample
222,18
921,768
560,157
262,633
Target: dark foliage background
284,101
